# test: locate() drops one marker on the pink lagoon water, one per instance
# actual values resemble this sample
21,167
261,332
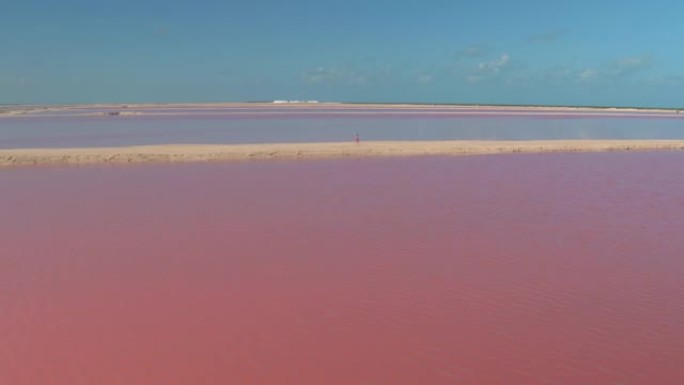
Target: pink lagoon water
556,269
74,128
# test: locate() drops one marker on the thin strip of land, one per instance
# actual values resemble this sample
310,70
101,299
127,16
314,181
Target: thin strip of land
10,158
203,108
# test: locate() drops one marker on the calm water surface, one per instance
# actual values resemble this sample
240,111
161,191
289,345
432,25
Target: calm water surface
267,125
559,269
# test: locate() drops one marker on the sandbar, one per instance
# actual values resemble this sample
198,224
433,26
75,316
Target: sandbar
173,109
24,157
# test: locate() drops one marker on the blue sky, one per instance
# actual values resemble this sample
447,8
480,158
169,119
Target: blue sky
579,52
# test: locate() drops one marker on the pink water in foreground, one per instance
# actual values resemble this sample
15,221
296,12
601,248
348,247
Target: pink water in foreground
502,270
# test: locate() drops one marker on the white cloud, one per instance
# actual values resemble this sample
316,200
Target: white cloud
495,66
488,69
588,74
616,69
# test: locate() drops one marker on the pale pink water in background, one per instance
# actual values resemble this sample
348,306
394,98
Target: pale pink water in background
278,124
559,269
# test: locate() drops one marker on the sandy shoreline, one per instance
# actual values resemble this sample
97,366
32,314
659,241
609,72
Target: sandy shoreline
10,158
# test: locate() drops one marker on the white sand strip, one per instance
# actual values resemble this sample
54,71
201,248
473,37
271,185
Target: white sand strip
246,152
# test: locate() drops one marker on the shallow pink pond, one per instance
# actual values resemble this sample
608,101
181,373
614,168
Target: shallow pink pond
493,270
288,125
